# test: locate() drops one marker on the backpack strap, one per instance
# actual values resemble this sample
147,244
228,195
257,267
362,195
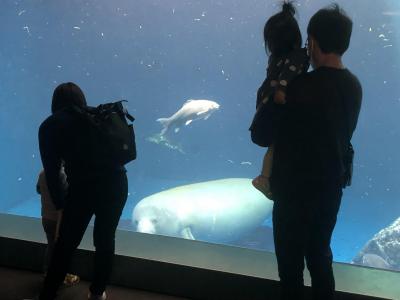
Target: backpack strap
124,110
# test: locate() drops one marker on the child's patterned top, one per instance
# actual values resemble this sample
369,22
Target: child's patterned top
281,71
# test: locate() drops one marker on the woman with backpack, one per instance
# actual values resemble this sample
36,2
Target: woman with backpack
95,187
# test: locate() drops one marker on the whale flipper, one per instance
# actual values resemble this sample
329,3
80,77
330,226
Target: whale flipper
176,129
188,122
187,233
201,112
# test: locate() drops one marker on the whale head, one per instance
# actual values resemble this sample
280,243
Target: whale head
146,225
150,218
212,105
202,105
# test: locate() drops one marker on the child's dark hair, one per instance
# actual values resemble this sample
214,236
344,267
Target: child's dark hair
281,31
331,28
66,95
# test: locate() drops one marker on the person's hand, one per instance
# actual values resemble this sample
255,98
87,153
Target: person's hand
265,100
280,97
262,184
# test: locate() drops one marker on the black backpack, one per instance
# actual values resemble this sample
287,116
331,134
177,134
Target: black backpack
112,138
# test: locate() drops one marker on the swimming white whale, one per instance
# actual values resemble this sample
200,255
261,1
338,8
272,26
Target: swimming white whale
216,211
190,111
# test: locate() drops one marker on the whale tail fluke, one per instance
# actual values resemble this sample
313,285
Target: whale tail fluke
165,123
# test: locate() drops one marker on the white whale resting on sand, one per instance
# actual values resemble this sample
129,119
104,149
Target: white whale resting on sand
216,211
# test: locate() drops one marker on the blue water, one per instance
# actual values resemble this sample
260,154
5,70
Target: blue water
158,54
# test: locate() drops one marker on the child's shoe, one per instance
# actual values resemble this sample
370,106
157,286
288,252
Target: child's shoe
261,183
71,279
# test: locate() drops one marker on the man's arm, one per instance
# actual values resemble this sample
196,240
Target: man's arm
290,117
357,107
51,159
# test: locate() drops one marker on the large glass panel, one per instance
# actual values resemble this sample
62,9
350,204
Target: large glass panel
158,54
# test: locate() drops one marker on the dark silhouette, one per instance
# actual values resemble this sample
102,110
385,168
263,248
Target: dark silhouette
281,32
287,60
95,188
51,219
311,149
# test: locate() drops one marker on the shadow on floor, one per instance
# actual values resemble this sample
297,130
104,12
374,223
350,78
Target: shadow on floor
19,285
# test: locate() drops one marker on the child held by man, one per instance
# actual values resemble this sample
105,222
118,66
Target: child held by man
286,61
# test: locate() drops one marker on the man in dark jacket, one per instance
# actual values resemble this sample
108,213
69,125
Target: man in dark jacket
94,188
311,149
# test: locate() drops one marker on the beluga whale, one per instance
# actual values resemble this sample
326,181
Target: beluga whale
219,211
190,111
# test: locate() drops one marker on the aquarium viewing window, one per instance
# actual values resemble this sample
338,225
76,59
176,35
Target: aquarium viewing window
207,56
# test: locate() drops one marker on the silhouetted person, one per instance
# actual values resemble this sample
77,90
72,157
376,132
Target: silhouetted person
51,219
287,60
311,147
94,188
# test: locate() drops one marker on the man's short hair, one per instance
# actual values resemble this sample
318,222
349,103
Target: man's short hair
331,27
